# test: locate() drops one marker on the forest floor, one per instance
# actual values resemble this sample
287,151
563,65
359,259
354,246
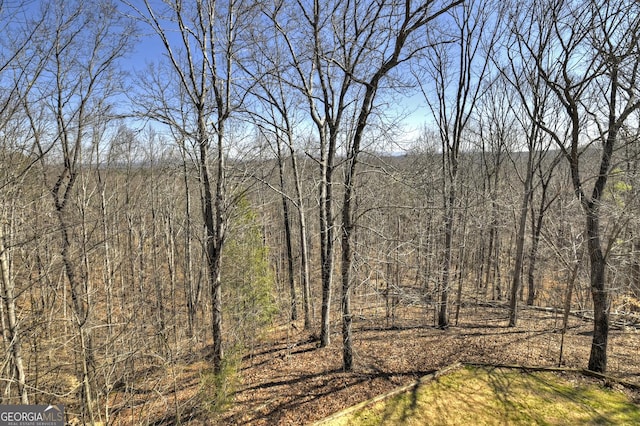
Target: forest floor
288,380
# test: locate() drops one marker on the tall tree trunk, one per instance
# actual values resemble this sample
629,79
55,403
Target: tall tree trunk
443,312
158,282
304,261
536,229
192,292
11,331
536,232
573,273
599,293
108,273
522,225
347,257
326,242
80,304
304,245
213,218
288,237
461,261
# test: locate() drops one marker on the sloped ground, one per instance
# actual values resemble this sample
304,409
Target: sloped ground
288,380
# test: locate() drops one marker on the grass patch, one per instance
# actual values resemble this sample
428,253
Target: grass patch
499,396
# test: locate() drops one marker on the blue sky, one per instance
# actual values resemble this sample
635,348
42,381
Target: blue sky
150,49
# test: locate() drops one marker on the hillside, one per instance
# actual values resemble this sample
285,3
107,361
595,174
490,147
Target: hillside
287,380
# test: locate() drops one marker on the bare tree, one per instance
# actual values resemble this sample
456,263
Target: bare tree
278,119
493,153
303,29
78,83
546,198
455,71
18,69
589,60
337,64
530,106
201,43
405,22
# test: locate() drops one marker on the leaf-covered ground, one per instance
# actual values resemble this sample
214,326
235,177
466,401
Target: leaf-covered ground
288,380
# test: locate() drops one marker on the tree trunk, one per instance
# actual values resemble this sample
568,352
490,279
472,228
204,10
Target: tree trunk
192,294
522,225
304,261
213,219
536,230
80,305
286,217
158,282
347,256
443,312
304,247
567,307
598,356
326,247
461,262
13,335
635,267
533,257
216,308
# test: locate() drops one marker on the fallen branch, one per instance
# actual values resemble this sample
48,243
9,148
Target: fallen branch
585,315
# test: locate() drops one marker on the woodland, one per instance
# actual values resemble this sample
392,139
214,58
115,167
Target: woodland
244,212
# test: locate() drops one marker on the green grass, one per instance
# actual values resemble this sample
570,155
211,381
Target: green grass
498,396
